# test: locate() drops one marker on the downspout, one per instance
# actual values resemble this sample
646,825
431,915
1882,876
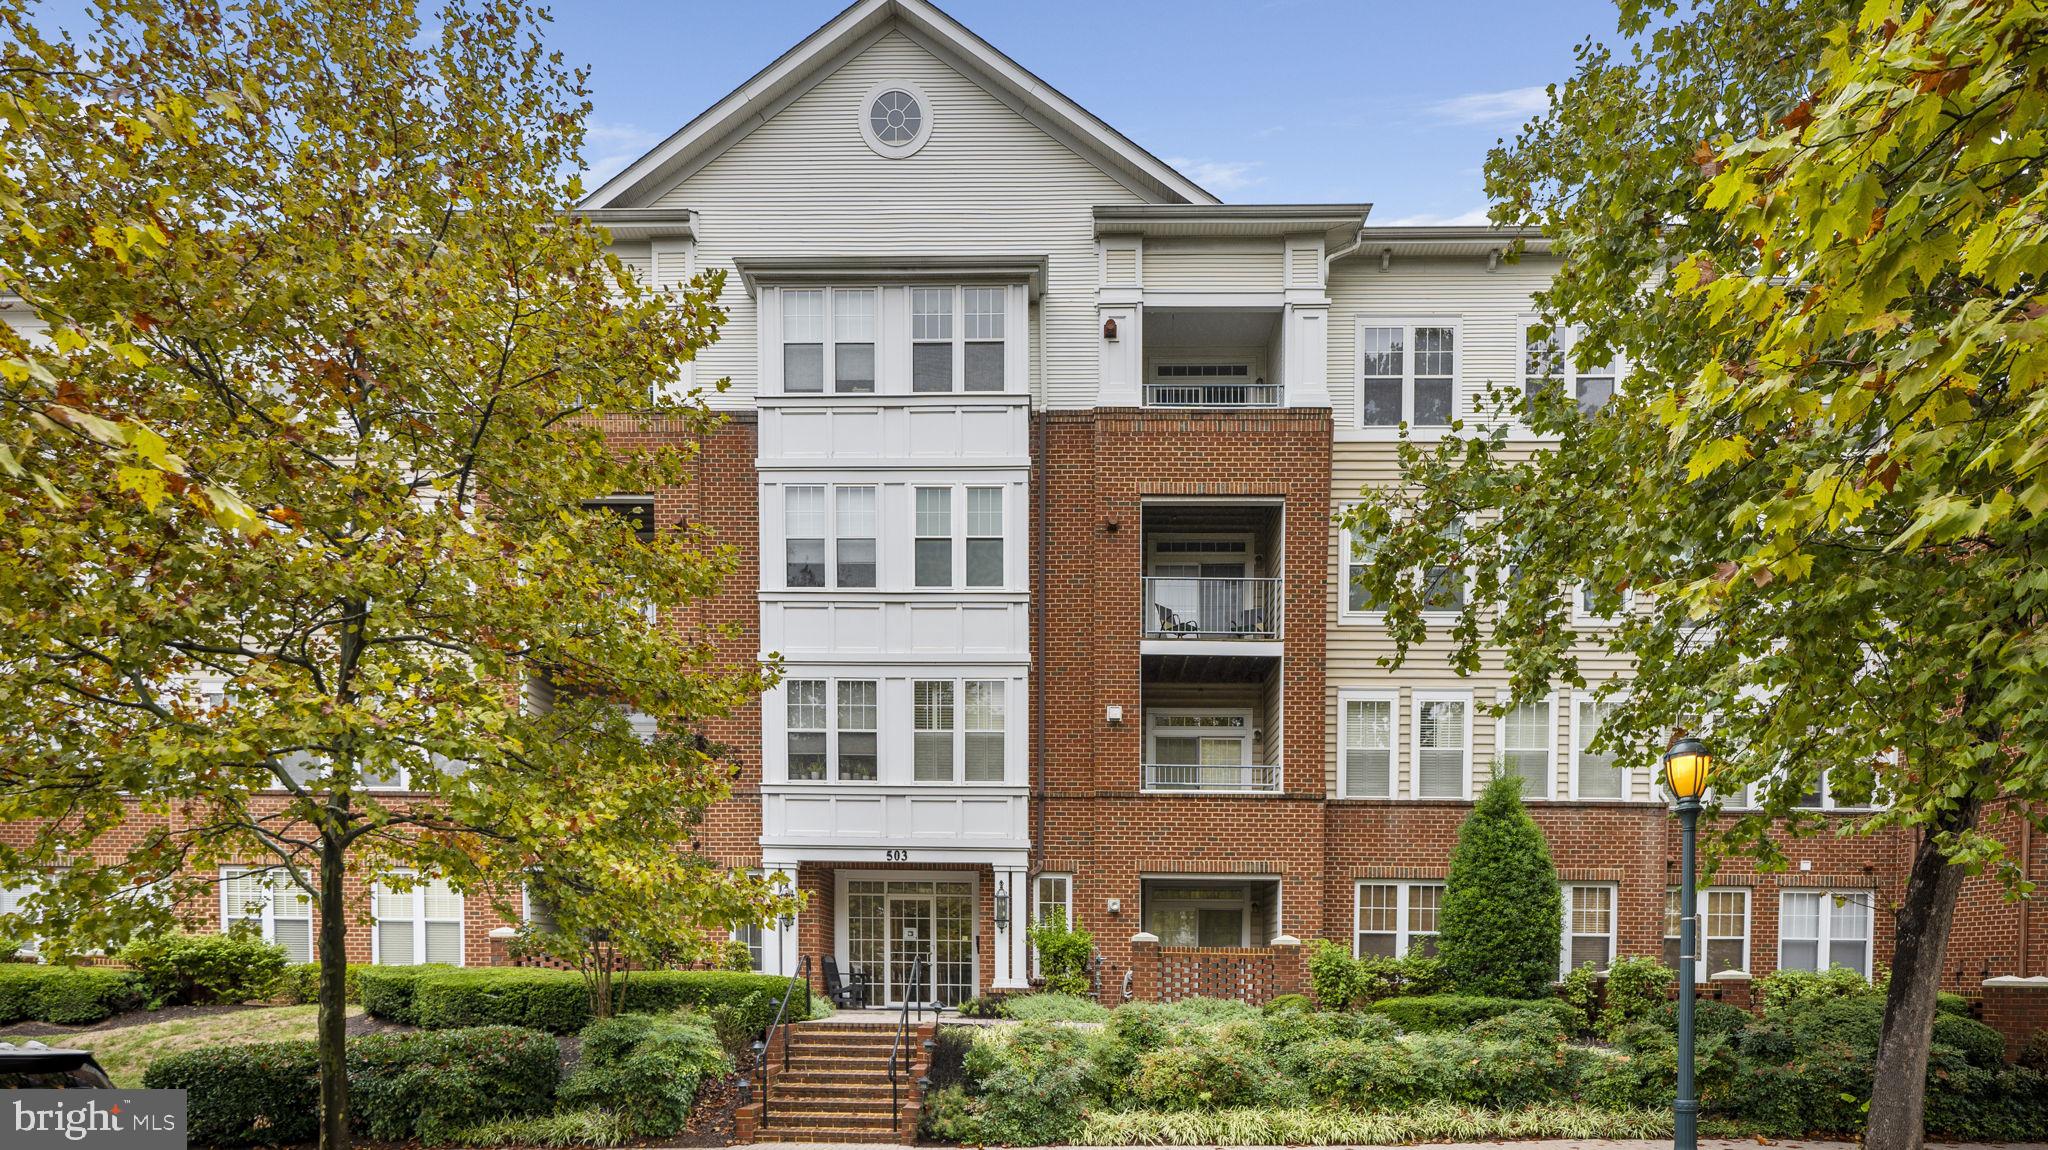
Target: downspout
2026,871
1035,761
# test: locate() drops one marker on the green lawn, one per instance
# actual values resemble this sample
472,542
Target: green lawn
126,1051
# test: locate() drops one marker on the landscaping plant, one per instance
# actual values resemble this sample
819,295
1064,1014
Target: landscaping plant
1063,952
206,969
1501,923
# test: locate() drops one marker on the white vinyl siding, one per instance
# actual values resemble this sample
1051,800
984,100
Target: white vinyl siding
1820,929
423,924
280,911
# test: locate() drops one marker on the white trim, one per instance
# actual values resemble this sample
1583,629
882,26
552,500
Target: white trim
1579,699
1567,340
1392,698
1585,620
419,920
1244,734
1403,900
1500,740
918,138
842,937
267,916
1564,954
1824,939
1416,699
1038,905
1242,903
1703,971
1408,325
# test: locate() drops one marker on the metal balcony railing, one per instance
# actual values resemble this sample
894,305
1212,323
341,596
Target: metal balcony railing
1208,777
1184,607
1191,393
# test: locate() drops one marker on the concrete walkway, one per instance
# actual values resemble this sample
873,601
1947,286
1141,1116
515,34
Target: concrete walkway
1536,1144
1532,1144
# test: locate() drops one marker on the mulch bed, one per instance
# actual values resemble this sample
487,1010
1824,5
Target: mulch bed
132,1018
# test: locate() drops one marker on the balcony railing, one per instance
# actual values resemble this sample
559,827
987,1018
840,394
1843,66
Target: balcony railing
1190,393
1185,607
1208,777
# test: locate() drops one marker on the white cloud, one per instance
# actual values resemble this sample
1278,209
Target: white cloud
1515,104
1219,176
1427,219
608,148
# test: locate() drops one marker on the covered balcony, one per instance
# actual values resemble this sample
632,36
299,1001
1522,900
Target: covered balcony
1212,357
1212,725
1211,575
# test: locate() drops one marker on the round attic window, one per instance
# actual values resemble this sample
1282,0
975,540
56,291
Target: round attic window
896,119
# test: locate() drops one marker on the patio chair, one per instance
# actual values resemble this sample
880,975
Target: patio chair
845,993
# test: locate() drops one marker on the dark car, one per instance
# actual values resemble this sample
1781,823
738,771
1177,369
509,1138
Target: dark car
34,1066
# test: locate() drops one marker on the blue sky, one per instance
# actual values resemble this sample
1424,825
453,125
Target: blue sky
1263,101
1260,101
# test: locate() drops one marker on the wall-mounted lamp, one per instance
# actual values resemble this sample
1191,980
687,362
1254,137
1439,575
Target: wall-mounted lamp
1109,328
1113,714
1386,258
1002,907
1111,525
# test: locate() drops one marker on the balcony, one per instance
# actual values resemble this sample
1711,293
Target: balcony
1199,777
1193,607
1212,357
1226,392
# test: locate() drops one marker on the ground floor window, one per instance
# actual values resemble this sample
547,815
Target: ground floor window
750,933
1724,929
14,902
1588,926
1198,915
1819,929
1052,901
279,911
1396,919
421,924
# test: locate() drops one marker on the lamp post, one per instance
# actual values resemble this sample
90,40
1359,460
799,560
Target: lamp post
1686,767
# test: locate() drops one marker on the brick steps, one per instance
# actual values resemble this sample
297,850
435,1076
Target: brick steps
833,1085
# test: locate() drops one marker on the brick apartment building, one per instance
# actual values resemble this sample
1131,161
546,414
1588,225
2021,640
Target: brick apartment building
1034,449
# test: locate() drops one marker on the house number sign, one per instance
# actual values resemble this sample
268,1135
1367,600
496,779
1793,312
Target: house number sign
896,856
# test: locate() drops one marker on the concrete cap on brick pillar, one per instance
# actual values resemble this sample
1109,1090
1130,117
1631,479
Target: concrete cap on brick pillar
2037,982
504,932
1285,940
1144,936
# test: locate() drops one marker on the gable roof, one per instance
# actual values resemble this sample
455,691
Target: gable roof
818,54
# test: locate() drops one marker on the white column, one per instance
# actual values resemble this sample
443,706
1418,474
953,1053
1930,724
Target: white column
1122,360
778,945
1011,965
1305,343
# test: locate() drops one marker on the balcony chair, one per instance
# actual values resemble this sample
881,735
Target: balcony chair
847,994
1173,624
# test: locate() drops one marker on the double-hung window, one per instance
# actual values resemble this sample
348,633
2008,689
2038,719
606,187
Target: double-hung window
1820,929
1526,741
1052,905
933,542
422,924
279,911
931,339
1443,744
803,536
955,723
803,341
1723,933
1550,359
848,317
957,338
983,733
808,729
1443,585
932,712
1586,606
1368,741
1408,373
1595,775
1396,919
984,537
831,728
1827,795
1358,554
983,324
1588,926
854,536
853,340
859,724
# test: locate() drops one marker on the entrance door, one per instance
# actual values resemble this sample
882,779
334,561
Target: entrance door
892,924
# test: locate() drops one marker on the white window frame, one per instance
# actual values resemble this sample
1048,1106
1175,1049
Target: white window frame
11,898
1408,326
956,558
1825,940
968,537
1349,562
834,533
1404,896
1392,698
1250,717
1039,903
1829,803
1500,741
1672,917
1564,954
834,728
1628,773
268,916
959,730
1416,699
419,920
828,372
1567,340
1583,618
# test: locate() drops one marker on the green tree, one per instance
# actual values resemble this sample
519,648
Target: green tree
1501,922
363,308
1810,228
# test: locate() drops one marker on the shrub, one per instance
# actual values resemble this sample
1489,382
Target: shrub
1281,1003
755,997
1342,982
1033,1081
568,1128
1456,1011
950,1116
386,992
1063,953
430,1084
206,969
1583,987
986,1006
1499,930
1949,1003
65,995
1134,1029
1054,1008
1437,1067
1637,988
1204,1074
1540,1026
645,1070
2034,1055
1708,1017
1783,988
552,1000
1322,1126
949,1055
1335,976
258,1094
301,983
1209,1011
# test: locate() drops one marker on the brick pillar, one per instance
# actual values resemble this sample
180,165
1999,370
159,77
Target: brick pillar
1144,967
1731,989
1289,976
2017,1008
501,946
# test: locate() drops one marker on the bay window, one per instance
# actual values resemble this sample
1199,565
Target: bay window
850,340
830,729
1408,373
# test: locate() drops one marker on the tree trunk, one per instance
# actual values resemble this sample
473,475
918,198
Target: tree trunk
1898,1095
333,1028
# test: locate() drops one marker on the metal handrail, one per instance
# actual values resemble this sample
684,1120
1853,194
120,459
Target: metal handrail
1191,607
803,975
1195,777
902,1043
1212,393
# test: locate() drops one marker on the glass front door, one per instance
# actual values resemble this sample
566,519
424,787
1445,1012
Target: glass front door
892,925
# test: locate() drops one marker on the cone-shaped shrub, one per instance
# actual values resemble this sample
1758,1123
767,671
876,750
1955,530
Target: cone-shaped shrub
1500,927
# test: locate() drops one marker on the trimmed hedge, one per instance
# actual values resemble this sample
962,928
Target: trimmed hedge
558,1001
206,969
645,1070
1435,1012
66,995
265,1093
401,1086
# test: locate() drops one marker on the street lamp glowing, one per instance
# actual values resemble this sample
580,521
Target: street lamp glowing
1686,767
